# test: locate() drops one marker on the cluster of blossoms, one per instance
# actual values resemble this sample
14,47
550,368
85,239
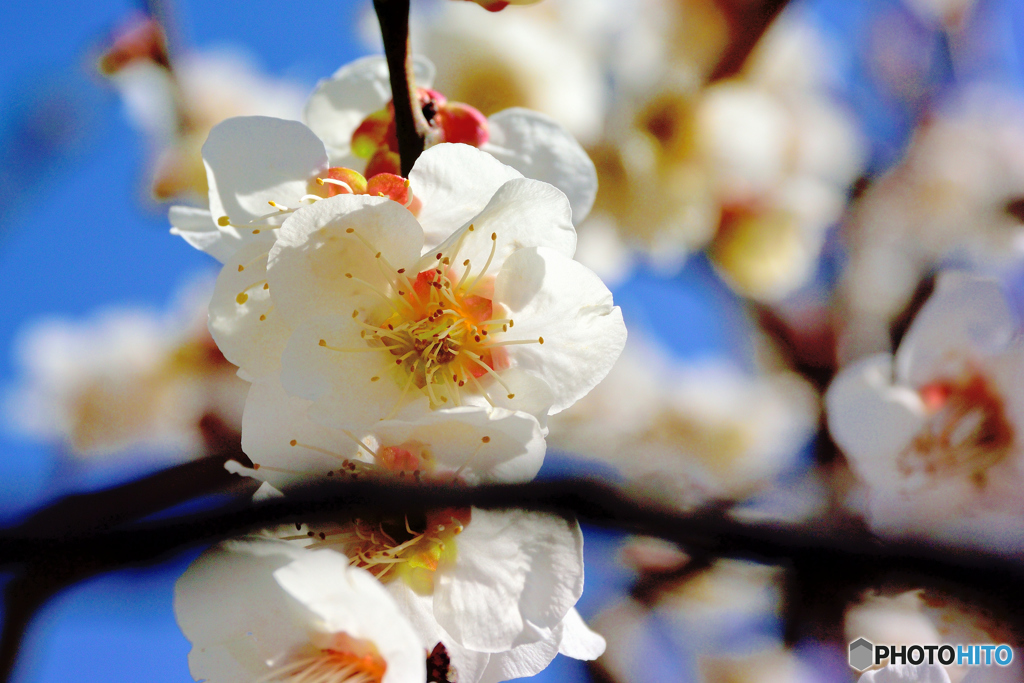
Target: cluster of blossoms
707,431
126,378
418,329
954,198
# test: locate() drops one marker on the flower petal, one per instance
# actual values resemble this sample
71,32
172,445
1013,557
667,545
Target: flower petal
523,660
244,322
870,419
350,600
529,394
349,388
541,148
522,213
197,227
513,450
965,317
454,182
340,103
253,160
512,567
233,636
467,664
272,421
578,641
315,250
561,300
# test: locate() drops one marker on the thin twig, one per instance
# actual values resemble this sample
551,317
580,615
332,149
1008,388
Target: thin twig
747,21
410,124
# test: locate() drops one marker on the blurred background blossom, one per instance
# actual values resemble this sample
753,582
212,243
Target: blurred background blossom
767,222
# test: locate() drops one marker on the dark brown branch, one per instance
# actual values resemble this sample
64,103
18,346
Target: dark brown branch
748,20
713,534
91,512
410,124
827,566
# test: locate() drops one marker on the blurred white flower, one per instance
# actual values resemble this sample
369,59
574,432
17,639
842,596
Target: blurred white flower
690,433
956,196
755,168
932,433
125,378
536,59
716,625
261,610
176,107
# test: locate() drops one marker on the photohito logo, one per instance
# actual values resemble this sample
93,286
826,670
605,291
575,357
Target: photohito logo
865,654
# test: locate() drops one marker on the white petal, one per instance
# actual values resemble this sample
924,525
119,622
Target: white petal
512,567
965,317
578,641
340,103
454,182
561,300
530,394
541,148
233,635
523,660
197,227
514,450
350,600
522,213
871,420
252,160
272,420
314,251
468,665
250,334
343,383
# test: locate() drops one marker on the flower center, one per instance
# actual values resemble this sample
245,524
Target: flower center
967,431
411,548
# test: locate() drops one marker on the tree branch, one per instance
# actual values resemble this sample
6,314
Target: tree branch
748,21
410,124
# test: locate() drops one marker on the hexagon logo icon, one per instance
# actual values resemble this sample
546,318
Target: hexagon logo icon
862,654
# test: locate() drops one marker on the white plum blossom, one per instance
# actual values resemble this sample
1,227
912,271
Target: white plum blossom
692,432
125,377
956,197
933,432
264,610
498,315
349,112
496,588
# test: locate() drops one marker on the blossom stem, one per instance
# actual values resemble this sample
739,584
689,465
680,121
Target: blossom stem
410,124
747,23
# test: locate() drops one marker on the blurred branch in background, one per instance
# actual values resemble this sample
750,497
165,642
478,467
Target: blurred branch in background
748,20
